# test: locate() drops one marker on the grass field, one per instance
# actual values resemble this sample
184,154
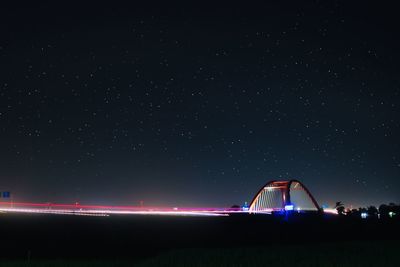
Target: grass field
339,254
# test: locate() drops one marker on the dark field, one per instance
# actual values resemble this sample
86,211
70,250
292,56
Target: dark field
55,240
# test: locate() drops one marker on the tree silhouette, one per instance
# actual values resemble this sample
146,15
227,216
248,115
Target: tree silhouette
340,208
372,211
234,208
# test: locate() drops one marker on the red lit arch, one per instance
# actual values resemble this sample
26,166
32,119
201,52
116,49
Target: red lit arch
276,195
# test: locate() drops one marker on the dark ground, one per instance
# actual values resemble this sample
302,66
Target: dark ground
56,240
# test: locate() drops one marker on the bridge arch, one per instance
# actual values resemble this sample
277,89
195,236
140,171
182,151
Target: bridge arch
280,195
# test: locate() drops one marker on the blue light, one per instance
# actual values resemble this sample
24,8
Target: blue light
289,207
245,207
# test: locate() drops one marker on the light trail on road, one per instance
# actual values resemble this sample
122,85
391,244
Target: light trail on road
105,210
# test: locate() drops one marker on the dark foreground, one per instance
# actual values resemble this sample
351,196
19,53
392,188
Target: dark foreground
39,240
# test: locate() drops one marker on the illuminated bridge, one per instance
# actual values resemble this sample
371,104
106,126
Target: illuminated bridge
283,196
275,196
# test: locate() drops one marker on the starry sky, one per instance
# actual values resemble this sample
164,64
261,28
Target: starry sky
199,105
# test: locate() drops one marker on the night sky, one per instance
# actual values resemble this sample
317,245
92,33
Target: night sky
199,105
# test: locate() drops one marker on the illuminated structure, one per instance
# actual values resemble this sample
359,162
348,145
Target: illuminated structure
283,196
